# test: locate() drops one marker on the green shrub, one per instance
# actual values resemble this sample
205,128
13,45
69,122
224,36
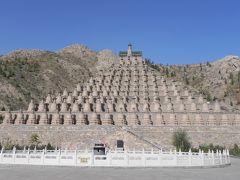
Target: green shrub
235,150
9,146
50,147
34,139
207,147
181,141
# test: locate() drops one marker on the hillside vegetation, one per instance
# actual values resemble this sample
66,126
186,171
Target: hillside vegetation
33,74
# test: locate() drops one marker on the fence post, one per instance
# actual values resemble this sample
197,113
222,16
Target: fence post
160,157
190,157
28,155
209,162
110,158
202,158
220,156
175,155
228,157
127,157
14,153
144,157
213,158
75,157
224,155
2,153
42,156
217,156
58,156
92,154
180,156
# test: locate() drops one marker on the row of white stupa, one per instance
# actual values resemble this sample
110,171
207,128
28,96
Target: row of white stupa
125,94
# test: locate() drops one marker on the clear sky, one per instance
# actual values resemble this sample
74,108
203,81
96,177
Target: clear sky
167,31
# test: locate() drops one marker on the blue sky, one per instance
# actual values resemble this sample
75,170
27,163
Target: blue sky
167,31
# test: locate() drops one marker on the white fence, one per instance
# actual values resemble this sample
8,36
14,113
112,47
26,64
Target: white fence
115,158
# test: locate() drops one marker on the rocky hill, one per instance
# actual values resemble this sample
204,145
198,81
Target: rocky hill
217,80
26,74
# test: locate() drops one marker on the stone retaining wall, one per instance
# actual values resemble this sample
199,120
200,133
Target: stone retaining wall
73,136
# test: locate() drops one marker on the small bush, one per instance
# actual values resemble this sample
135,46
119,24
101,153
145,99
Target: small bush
34,139
211,147
181,141
9,146
235,150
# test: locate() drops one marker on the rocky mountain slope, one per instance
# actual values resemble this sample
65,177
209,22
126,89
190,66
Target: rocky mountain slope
217,80
33,73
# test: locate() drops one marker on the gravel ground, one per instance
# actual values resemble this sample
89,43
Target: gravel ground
17,172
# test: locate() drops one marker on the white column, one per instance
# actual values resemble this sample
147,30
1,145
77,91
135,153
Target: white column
127,157
92,158
28,155
75,157
160,157
179,155
2,154
213,158
220,156
58,156
190,158
109,155
144,157
14,153
224,155
217,156
228,157
202,158
43,156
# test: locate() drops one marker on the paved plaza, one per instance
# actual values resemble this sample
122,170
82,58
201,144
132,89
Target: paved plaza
15,172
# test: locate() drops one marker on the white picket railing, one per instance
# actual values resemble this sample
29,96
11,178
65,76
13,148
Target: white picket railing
115,158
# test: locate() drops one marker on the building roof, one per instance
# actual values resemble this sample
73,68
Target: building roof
134,53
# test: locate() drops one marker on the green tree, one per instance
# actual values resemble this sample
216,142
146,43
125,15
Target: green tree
187,81
232,78
167,72
173,74
214,98
208,64
238,78
235,150
34,139
50,147
181,140
209,97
